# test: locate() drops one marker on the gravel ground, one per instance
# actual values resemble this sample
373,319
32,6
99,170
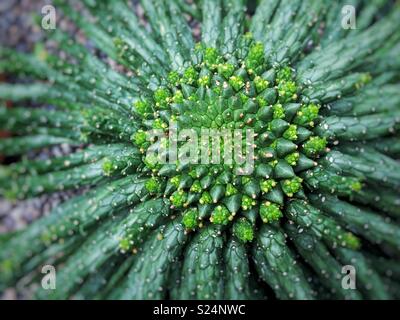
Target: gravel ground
16,24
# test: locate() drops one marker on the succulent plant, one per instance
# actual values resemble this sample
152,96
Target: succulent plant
315,106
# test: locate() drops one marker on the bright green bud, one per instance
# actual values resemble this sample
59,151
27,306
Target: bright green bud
287,91
217,90
284,74
292,158
139,138
255,56
108,167
245,179
141,107
351,241
279,111
291,186
178,97
124,245
365,78
196,187
261,101
204,81
291,133
178,198
193,174
356,186
190,219
267,185
230,190
175,181
247,202
153,185
205,198
248,35
151,161
307,114
226,70
173,78
159,124
190,76
260,83
236,82
314,146
270,212
193,97
243,98
211,57
220,215
162,97
243,230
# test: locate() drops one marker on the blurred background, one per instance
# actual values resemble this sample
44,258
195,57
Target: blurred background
18,30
